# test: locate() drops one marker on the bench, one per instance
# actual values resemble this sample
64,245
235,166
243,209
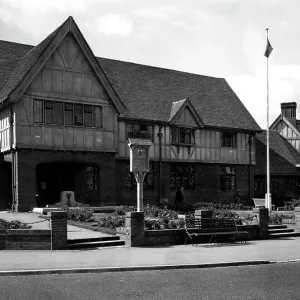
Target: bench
212,227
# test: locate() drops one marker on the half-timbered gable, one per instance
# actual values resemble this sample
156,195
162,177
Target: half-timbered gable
287,124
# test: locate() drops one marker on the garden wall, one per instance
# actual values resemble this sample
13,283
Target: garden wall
27,239
177,236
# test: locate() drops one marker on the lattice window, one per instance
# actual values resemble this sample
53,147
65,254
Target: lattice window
181,135
182,175
139,131
228,180
228,139
130,181
91,178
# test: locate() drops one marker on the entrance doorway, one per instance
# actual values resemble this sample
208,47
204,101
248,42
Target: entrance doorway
53,178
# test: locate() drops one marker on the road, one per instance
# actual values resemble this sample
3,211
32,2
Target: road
276,281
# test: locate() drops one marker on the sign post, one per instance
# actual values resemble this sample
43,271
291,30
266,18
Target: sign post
139,165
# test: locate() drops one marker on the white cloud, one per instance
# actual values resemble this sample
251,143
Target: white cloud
5,15
159,12
47,6
150,13
37,6
112,24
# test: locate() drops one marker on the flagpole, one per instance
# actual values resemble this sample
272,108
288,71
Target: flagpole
268,198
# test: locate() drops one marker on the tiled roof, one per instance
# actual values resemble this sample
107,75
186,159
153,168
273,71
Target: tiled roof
25,63
281,146
10,56
147,92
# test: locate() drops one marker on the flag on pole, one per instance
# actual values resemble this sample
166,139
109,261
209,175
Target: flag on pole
269,49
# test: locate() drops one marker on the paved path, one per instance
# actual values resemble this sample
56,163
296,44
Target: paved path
74,232
270,250
126,257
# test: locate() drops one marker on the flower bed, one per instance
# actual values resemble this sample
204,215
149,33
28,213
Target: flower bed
4,225
157,218
279,218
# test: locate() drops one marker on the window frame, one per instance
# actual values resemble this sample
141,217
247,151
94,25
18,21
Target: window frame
149,136
91,172
129,177
228,139
41,119
178,131
179,177
49,109
226,177
41,112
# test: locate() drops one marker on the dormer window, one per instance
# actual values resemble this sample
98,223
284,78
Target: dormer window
182,135
228,139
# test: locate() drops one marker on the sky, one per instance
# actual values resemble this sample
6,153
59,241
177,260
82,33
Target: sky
219,38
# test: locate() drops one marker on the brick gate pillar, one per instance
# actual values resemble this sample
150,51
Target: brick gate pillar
59,232
297,217
134,223
263,221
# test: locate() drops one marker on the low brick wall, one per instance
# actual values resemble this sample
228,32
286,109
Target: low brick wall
164,237
177,236
25,239
54,238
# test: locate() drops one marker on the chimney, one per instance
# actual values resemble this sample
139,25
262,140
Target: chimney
288,110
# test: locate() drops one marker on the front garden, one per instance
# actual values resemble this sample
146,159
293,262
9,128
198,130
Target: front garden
168,217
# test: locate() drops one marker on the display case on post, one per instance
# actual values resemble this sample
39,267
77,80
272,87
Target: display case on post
139,165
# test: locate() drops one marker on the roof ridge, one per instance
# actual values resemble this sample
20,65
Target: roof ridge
21,44
156,67
117,60
182,100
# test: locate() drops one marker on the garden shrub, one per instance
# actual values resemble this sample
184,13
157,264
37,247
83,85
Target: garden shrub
221,206
111,221
275,218
123,209
79,214
151,211
165,218
13,225
291,204
160,224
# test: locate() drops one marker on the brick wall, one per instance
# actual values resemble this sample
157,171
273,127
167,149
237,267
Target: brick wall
129,197
178,236
25,239
207,185
27,162
58,225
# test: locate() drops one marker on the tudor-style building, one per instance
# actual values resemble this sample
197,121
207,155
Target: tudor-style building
65,116
287,124
284,168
